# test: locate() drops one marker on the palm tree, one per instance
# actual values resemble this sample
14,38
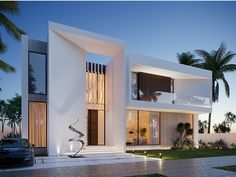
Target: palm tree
3,118
219,62
14,113
187,58
12,9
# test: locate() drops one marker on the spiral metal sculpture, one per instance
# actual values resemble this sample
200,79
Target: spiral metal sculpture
78,138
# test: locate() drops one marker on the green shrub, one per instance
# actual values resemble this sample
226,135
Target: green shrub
233,146
180,143
220,144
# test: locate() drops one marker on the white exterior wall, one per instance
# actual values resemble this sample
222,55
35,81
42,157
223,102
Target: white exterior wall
66,92
115,101
229,138
24,86
190,87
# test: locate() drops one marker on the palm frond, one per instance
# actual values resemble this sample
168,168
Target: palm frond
10,27
3,46
228,68
6,67
227,89
202,53
9,7
220,52
187,58
228,57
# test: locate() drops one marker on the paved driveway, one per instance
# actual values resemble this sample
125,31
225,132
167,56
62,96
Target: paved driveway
201,167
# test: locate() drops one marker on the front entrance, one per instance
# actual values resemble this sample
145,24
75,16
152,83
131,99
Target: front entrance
92,127
95,103
95,128
38,127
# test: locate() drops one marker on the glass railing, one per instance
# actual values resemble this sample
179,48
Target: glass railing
180,99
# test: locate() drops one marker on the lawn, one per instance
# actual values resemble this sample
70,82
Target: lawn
228,168
185,154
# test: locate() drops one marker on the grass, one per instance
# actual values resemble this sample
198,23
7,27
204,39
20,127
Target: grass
149,175
185,154
228,168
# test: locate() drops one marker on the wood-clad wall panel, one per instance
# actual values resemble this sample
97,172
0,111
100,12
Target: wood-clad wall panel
38,124
169,122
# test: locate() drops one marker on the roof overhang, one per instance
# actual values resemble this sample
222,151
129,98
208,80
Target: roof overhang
89,41
166,68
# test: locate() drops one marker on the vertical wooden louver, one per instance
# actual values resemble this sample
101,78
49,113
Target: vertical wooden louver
95,86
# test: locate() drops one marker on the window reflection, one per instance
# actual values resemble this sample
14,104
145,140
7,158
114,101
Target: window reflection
37,73
134,86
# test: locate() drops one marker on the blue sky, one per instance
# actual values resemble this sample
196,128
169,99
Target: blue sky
157,29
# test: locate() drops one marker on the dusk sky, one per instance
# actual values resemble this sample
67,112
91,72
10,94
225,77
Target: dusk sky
156,29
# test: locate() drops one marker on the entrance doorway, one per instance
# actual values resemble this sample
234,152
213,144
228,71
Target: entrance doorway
95,103
38,126
96,127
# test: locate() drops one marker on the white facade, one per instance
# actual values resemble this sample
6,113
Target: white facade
66,69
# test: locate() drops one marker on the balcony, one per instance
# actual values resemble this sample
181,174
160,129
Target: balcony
173,98
178,99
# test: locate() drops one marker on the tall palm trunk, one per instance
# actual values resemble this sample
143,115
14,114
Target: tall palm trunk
3,122
209,123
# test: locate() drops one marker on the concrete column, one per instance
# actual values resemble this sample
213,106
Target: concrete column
195,130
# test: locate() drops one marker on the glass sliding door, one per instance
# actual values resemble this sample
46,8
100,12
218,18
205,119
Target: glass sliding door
142,127
148,127
38,124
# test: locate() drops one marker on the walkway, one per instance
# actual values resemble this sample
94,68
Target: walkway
202,167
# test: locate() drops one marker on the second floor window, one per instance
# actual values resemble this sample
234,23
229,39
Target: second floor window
37,73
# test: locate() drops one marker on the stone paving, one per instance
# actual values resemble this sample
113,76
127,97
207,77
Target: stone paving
200,167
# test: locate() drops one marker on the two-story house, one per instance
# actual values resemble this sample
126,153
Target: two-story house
131,102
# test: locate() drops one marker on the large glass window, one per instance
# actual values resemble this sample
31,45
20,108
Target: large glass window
37,73
148,127
142,128
132,127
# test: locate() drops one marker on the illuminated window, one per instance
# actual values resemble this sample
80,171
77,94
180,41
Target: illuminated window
142,127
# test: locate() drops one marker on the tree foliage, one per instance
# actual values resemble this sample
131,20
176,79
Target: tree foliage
225,126
10,112
219,62
8,8
202,126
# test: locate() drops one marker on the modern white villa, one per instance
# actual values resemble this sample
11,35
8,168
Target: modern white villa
131,102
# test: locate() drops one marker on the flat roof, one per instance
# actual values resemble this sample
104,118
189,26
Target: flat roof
166,68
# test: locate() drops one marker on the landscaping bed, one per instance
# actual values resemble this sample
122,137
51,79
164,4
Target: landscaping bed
184,154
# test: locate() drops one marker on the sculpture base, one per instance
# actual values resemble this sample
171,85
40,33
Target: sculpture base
76,156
